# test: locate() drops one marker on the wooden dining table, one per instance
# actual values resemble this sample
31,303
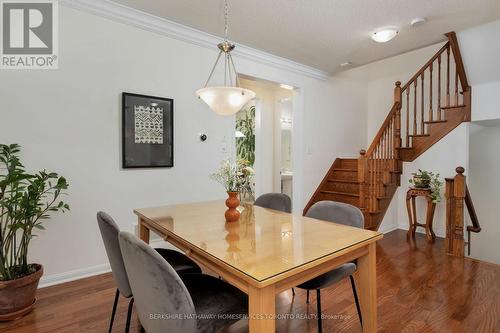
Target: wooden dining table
266,252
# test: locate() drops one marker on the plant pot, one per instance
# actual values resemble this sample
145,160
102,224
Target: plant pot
232,214
420,182
17,297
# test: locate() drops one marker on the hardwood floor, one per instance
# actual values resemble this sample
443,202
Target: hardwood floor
419,289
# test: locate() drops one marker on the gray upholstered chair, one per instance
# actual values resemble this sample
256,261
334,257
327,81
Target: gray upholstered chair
166,303
341,213
110,233
276,201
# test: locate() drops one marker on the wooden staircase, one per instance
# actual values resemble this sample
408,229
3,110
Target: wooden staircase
430,105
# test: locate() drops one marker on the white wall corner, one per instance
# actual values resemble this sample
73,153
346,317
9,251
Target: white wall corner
155,24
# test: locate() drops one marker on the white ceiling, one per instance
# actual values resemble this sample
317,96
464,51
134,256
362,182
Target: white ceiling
325,33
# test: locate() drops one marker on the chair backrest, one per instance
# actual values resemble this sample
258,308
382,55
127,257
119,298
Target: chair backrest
110,234
158,289
276,201
337,212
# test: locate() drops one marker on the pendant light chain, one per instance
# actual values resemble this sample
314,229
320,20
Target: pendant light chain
226,20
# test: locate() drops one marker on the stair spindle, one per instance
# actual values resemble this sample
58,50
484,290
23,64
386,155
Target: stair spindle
408,117
422,105
456,86
448,75
439,88
415,107
431,116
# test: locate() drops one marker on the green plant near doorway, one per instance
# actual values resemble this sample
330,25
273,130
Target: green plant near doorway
245,146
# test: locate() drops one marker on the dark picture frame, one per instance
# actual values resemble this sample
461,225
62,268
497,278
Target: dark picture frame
147,131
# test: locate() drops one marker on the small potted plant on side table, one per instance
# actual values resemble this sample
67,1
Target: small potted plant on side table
428,180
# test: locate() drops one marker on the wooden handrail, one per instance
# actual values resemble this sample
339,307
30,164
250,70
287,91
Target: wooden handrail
452,37
380,132
475,227
424,67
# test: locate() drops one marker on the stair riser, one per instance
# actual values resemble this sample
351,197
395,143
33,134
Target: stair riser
346,175
349,163
340,198
342,187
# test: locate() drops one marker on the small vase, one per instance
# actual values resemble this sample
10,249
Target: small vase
232,214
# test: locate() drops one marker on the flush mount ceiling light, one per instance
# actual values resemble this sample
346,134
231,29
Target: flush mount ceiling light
418,21
228,99
385,34
286,86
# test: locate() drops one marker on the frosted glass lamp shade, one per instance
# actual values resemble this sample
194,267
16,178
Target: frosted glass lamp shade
225,101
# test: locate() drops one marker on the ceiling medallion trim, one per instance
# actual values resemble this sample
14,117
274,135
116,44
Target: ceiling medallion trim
152,23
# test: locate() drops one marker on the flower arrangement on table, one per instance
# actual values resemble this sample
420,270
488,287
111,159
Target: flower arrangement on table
237,179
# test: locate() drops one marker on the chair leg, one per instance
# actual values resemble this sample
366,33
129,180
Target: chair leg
307,299
353,285
293,292
318,302
117,296
129,314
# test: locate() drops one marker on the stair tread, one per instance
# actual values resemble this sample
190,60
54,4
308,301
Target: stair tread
336,180
340,193
404,148
419,135
345,169
452,106
435,121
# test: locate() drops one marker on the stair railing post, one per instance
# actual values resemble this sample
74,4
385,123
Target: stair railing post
362,178
455,198
397,127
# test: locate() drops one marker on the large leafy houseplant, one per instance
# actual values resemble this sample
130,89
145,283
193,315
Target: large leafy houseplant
26,202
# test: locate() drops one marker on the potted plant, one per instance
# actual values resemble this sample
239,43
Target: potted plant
428,180
26,202
235,177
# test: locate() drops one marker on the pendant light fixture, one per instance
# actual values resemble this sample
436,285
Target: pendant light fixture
228,99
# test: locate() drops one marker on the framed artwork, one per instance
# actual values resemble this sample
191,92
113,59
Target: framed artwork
147,131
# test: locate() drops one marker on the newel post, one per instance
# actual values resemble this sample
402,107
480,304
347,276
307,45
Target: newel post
362,171
397,127
456,190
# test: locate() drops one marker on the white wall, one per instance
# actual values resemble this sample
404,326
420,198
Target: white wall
480,52
68,120
484,186
340,132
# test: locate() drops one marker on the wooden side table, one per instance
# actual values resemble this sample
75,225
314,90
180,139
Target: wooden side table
411,196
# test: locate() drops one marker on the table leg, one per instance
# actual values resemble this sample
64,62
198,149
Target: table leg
431,237
367,287
261,309
143,231
411,228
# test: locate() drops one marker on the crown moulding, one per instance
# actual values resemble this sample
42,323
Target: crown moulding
155,24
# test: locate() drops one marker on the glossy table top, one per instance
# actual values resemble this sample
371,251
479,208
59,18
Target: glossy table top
262,244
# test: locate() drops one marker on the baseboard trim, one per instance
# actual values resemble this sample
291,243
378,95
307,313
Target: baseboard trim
77,274
389,229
